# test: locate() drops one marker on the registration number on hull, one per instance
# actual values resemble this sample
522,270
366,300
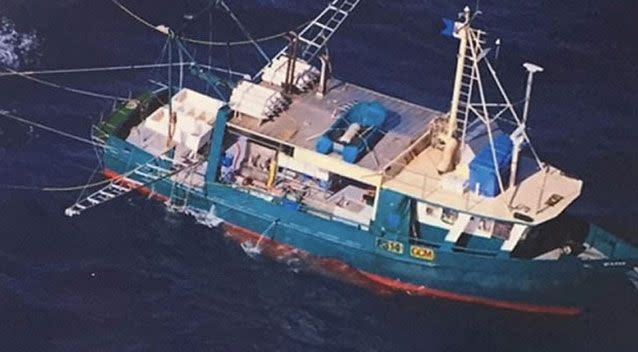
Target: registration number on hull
423,253
390,246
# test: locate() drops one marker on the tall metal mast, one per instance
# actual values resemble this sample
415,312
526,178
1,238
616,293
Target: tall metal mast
458,79
450,139
472,113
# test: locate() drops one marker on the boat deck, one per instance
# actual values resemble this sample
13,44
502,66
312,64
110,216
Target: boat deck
539,194
309,116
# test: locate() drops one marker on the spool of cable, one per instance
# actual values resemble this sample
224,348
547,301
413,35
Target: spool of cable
350,133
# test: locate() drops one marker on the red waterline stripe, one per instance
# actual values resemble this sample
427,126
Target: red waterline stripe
275,248
423,291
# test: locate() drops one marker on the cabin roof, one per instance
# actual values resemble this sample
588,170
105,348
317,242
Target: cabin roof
539,195
309,116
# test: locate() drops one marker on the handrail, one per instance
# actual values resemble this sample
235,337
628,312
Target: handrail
476,251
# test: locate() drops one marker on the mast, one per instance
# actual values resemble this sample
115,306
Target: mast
469,110
451,143
458,79
172,118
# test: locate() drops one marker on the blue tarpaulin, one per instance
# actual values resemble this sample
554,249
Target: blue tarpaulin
372,114
394,215
483,171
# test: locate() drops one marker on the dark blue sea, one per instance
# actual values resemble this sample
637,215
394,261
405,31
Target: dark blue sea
133,276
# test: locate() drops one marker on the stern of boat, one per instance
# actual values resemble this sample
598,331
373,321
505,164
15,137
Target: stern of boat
610,262
605,251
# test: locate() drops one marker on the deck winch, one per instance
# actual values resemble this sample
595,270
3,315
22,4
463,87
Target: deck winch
355,132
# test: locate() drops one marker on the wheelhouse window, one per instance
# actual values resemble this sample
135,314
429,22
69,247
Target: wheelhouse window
485,225
502,230
449,216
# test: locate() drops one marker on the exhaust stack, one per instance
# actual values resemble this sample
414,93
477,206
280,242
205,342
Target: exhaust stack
325,75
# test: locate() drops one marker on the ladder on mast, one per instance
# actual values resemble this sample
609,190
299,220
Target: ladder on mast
318,32
474,53
150,172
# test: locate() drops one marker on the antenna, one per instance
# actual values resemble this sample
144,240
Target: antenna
518,136
497,50
531,69
475,13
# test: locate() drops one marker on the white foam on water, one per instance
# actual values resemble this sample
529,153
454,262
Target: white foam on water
207,218
17,49
251,249
295,265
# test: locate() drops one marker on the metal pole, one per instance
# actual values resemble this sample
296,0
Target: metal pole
181,69
170,73
323,80
291,38
171,116
531,69
514,166
458,79
295,49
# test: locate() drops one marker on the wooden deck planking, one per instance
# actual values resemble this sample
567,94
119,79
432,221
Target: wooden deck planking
309,116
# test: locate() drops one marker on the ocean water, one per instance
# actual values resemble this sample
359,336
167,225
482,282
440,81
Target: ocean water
134,276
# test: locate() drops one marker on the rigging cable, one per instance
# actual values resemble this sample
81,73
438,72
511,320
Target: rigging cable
28,75
89,69
68,89
50,129
62,133
114,68
207,42
161,56
242,28
56,189
86,186
98,183
79,187
210,48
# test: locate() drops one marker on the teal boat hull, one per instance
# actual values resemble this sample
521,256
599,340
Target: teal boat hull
562,286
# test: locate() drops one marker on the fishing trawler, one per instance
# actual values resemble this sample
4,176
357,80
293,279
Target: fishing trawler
296,163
